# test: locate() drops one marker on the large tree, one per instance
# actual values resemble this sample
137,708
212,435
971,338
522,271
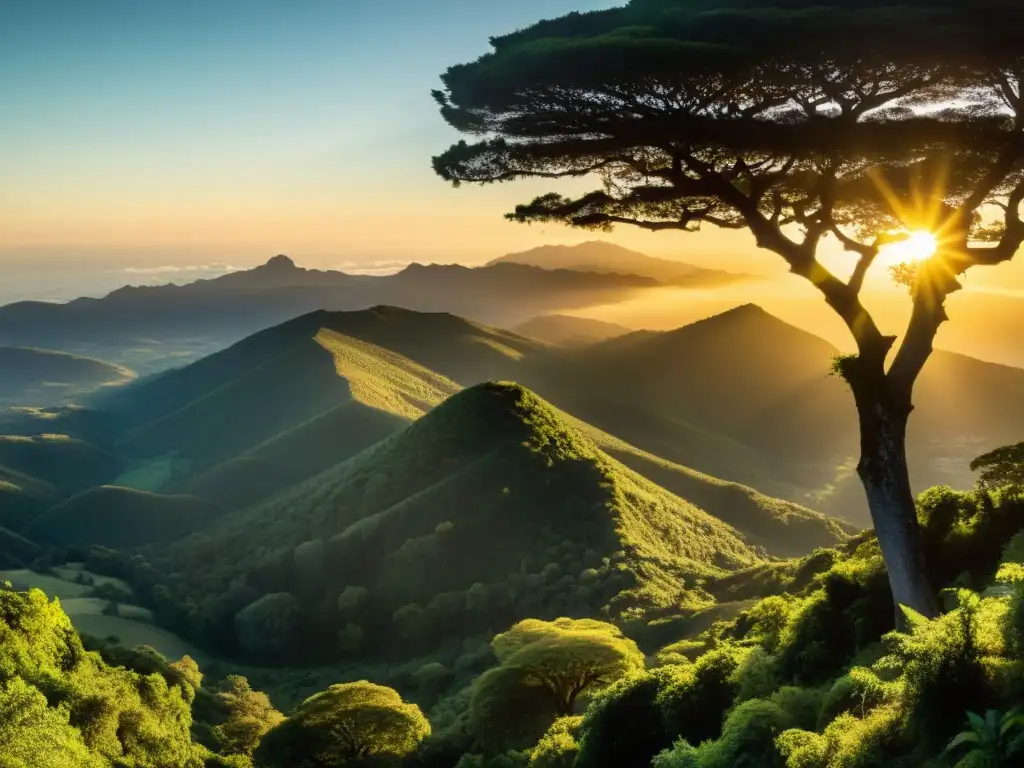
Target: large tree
544,668
347,724
798,120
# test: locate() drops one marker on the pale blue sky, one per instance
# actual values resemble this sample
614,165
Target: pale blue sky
244,126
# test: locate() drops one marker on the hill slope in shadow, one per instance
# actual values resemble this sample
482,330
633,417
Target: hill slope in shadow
43,377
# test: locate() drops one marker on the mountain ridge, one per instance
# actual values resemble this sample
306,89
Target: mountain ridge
603,257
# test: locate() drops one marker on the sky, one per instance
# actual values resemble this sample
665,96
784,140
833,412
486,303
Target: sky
152,134
155,140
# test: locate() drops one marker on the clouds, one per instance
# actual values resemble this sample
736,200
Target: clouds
189,271
382,267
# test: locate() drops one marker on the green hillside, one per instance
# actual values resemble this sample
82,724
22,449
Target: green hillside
309,380
230,404
782,528
381,390
295,455
68,464
22,497
489,508
42,377
118,517
15,550
459,349
747,397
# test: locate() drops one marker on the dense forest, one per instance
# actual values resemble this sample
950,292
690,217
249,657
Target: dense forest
800,666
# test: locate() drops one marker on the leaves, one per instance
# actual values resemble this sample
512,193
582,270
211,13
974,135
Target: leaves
346,722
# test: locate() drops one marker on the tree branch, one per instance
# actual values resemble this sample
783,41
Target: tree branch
935,280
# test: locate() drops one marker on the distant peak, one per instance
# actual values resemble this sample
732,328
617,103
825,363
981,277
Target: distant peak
747,309
279,262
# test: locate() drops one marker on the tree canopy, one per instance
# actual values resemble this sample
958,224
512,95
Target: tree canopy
1001,467
800,121
544,667
61,706
342,725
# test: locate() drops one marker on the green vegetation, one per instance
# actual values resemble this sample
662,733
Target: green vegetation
783,528
554,526
16,550
342,725
42,377
1001,467
544,669
68,464
121,517
64,707
23,497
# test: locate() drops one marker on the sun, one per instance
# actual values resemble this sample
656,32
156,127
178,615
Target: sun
916,246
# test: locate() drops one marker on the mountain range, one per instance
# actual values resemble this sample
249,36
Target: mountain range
146,327
608,258
341,450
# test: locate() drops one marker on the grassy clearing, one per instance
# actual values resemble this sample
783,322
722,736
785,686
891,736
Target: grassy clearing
75,571
152,475
53,586
131,633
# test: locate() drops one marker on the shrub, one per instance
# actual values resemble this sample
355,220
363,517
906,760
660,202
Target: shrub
558,747
605,739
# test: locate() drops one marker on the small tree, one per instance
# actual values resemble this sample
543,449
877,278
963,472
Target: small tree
861,121
1001,467
559,661
249,716
343,725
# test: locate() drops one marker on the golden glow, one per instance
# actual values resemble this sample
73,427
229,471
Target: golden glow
916,246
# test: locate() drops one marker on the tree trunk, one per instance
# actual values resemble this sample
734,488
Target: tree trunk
886,478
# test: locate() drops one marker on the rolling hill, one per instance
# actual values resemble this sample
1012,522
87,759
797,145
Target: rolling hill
15,550
492,493
568,331
760,390
607,258
68,464
371,392
43,377
295,399
22,497
782,528
117,517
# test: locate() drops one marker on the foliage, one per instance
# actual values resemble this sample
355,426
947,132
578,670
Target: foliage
267,626
249,716
605,743
61,705
343,724
1001,467
988,739
557,748
556,662
542,495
